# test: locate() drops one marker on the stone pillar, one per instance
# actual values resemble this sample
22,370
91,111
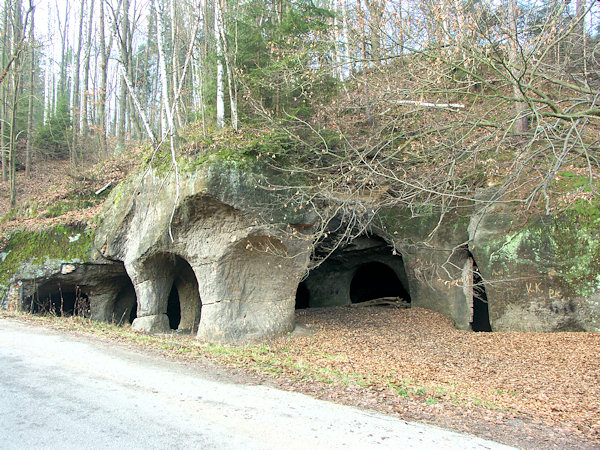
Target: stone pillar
250,293
102,301
436,282
189,301
152,281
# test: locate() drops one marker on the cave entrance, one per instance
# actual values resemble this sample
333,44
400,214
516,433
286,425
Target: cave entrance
184,306
481,313
60,301
364,269
302,296
376,280
125,306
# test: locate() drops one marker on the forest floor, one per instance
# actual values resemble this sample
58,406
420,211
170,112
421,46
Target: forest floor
529,390
56,193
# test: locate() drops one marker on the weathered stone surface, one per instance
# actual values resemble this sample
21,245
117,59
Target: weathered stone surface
434,251
158,323
542,273
216,255
243,257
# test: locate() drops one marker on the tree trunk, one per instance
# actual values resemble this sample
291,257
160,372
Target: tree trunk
103,78
220,79
76,93
86,76
30,108
4,94
123,87
347,65
17,35
163,73
175,61
521,122
230,73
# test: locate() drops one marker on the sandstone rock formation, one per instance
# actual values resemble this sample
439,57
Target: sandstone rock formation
217,255
236,266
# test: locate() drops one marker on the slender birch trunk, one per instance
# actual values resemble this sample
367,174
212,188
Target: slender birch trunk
4,94
17,42
230,72
30,106
76,93
86,71
220,79
123,87
103,83
163,72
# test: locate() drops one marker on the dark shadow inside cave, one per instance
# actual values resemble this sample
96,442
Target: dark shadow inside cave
133,313
481,314
61,301
364,269
376,280
302,296
174,308
184,305
125,306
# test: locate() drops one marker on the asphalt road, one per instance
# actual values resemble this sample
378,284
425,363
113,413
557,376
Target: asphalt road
60,391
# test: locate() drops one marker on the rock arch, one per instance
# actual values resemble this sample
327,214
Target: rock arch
154,280
339,279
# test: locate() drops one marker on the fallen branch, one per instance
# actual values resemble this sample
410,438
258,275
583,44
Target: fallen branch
103,188
431,105
397,302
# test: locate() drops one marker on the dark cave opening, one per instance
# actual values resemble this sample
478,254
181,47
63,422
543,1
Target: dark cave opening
481,313
376,280
302,296
61,301
133,313
125,305
174,309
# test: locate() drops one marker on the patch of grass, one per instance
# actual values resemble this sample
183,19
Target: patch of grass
273,360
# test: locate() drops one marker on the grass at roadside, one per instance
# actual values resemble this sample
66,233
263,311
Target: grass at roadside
276,360
412,363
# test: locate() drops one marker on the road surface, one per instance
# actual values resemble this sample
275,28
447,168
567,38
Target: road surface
60,391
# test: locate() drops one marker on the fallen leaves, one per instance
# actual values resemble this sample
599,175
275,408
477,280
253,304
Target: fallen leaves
549,377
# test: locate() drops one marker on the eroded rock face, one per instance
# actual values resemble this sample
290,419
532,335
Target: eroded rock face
542,274
57,285
435,254
234,262
217,256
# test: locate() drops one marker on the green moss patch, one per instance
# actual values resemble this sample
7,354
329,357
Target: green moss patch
20,247
566,245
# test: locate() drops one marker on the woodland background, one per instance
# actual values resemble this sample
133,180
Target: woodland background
409,102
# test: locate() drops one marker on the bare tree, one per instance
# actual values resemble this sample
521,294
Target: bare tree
32,71
220,78
76,88
124,35
86,72
103,82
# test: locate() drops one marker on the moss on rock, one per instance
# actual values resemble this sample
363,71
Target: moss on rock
24,248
